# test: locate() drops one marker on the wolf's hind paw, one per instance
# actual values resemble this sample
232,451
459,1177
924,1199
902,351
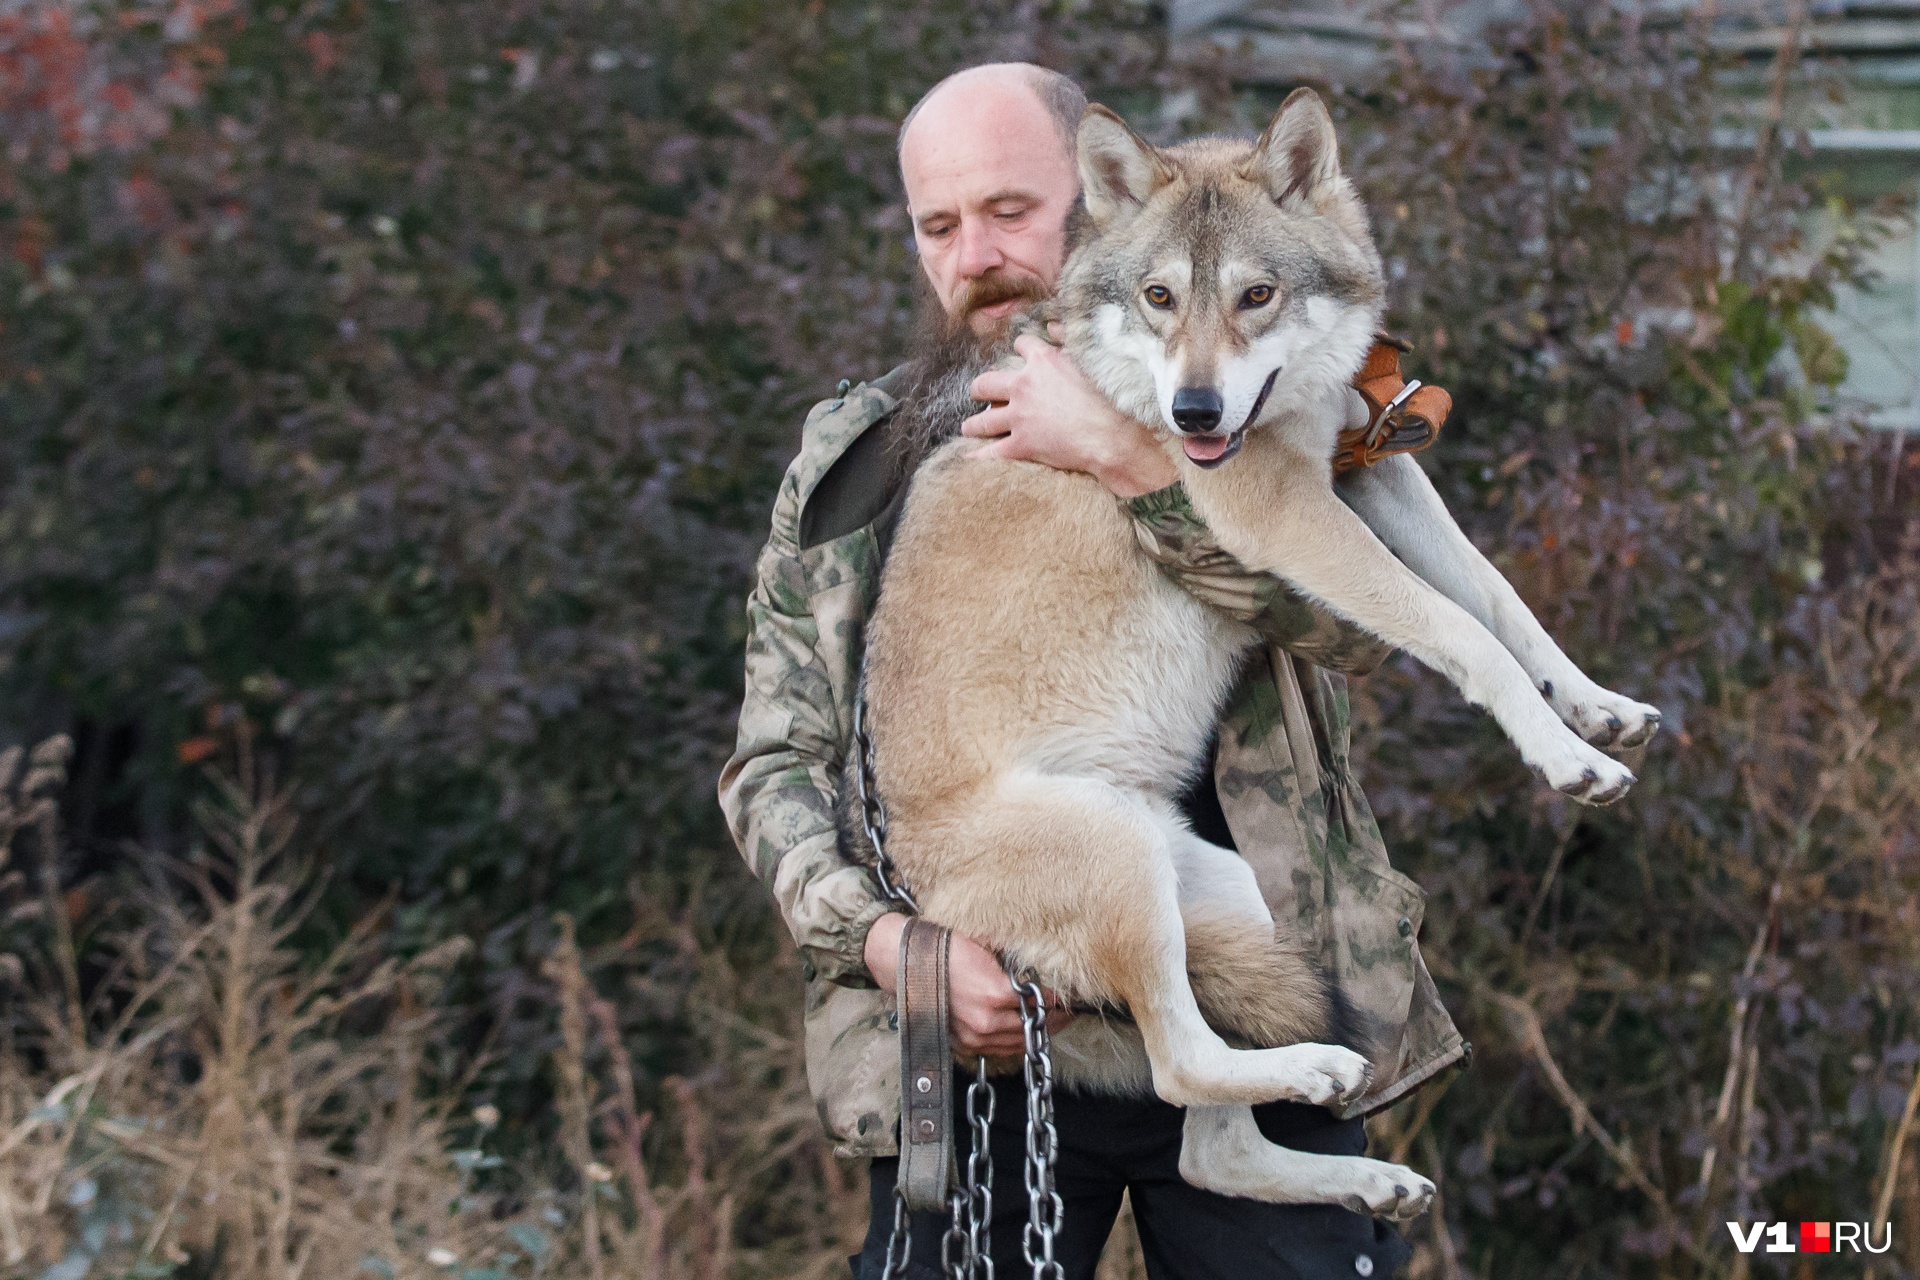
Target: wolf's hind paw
1389,1191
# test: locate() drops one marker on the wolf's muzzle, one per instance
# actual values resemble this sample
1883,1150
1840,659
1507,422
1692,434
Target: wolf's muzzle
1198,410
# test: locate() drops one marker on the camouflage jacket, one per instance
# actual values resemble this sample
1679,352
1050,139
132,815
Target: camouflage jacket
1294,808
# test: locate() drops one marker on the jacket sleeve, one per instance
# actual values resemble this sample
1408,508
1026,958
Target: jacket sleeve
1173,535
779,788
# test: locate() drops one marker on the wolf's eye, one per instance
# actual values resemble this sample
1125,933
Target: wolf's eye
1258,296
1158,295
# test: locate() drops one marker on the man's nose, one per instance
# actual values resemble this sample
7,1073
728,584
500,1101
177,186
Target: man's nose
979,249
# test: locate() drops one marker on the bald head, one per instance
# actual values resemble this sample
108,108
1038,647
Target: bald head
1063,100
987,160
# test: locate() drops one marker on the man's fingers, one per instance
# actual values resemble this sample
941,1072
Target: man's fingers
990,421
1008,1042
994,1041
1031,346
995,385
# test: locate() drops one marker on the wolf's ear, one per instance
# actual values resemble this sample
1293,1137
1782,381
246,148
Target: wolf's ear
1298,156
1118,169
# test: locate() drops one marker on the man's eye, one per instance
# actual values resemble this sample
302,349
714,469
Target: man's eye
1258,296
1160,297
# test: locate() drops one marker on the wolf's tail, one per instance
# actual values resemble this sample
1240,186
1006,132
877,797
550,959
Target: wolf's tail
1256,987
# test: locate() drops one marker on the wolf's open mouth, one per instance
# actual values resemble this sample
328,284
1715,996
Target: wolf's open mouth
1211,451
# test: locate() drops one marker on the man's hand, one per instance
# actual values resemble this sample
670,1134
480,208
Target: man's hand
984,1013
1046,411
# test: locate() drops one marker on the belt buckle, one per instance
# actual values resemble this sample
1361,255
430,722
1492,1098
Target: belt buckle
1389,419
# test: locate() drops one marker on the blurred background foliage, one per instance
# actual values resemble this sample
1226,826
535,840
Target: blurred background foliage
394,393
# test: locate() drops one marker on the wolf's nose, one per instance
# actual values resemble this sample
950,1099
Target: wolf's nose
1197,409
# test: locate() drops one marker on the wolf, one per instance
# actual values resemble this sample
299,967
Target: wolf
1039,693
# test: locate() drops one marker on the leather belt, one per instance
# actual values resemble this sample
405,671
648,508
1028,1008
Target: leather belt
926,1054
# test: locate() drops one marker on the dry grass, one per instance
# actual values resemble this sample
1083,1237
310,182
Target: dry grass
220,1106
185,1094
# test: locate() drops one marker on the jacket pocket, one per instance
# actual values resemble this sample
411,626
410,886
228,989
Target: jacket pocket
1376,918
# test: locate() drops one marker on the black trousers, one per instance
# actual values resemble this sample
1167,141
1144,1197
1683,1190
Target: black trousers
1114,1145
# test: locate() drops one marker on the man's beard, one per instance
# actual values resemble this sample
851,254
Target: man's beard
947,355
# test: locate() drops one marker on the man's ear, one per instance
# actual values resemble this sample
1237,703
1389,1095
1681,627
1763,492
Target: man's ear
1298,157
1118,169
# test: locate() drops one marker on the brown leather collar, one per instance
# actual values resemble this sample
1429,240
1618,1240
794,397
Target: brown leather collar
1402,417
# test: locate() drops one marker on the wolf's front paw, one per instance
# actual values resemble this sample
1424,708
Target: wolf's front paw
1325,1075
1602,717
1389,1191
1578,770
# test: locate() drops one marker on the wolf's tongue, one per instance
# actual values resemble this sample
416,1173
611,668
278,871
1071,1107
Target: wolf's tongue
1206,448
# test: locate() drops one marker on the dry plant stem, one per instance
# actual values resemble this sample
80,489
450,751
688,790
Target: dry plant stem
1429,1099
631,1128
83,1098
1742,1169
165,1218
1437,1216
12,1248
1546,881
1740,1032
714,1230
228,1087
576,1104
16,1249
403,1110
1890,1177
1533,1036
1784,60
49,827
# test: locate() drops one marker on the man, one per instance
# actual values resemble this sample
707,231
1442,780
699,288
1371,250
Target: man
987,162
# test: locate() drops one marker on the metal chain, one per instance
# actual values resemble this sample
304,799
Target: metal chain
873,813
969,1230
1045,1210
980,1105
956,1247
899,1241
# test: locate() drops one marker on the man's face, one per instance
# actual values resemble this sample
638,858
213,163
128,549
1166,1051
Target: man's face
989,186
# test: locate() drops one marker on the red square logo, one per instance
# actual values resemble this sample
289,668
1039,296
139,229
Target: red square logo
1816,1237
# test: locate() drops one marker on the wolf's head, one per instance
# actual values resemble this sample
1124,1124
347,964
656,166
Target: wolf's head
1217,283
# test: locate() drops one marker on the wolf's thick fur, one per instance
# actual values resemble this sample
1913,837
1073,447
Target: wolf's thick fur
1040,693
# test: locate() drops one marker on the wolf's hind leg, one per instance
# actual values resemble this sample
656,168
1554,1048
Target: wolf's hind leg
1251,981
1400,505
1223,1150
1076,878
